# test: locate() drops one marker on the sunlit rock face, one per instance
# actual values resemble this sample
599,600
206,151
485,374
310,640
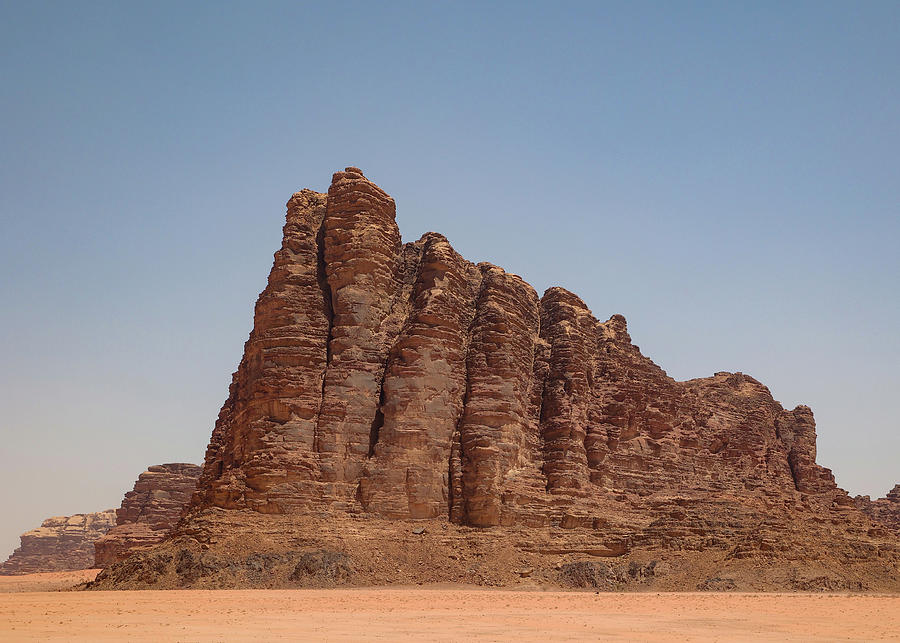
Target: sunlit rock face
62,543
386,382
405,381
148,511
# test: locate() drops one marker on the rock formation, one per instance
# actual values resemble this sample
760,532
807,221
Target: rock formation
884,511
148,511
385,382
62,543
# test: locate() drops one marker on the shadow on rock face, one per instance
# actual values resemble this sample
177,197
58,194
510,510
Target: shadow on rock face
605,576
323,565
185,568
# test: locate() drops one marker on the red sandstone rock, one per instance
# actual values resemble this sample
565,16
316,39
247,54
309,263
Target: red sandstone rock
389,381
407,382
496,435
884,511
424,384
149,511
63,543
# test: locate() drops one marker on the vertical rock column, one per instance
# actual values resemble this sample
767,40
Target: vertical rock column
570,329
422,395
361,251
261,451
494,423
797,431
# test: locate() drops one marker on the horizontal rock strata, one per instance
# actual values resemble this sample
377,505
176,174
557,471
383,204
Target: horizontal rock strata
62,543
392,381
148,511
406,381
884,511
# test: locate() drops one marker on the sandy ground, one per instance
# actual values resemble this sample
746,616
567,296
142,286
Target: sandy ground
49,582
434,614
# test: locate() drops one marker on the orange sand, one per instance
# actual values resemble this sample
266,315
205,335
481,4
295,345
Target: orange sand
438,614
48,582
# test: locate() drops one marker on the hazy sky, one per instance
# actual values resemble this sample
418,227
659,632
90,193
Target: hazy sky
725,176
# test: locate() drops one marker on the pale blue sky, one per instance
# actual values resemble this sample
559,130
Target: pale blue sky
724,175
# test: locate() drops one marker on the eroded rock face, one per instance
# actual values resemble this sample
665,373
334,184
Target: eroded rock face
63,543
884,511
387,381
405,381
148,511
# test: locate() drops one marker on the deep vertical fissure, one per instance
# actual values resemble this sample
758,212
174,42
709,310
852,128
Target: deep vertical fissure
544,450
454,471
328,306
541,418
792,464
459,503
378,420
538,382
590,430
542,447
377,423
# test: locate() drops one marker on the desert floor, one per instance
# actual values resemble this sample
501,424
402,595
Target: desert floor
31,609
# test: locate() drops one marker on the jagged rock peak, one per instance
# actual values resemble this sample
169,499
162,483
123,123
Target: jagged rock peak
403,382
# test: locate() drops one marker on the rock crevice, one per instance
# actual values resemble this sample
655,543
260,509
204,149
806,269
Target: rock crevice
385,382
405,381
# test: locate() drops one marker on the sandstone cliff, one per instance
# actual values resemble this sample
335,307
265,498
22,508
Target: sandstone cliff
386,382
63,543
148,511
405,381
884,511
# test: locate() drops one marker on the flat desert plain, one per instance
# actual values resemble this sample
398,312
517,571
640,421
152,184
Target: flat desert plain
32,608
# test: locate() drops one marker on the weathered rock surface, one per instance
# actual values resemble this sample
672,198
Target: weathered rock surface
884,511
392,382
149,511
62,543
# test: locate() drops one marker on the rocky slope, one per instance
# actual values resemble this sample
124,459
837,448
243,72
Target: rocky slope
385,383
884,511
63,543
148,511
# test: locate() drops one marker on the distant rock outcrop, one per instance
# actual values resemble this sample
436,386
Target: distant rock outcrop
148,511
62,543
885,511
385,382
